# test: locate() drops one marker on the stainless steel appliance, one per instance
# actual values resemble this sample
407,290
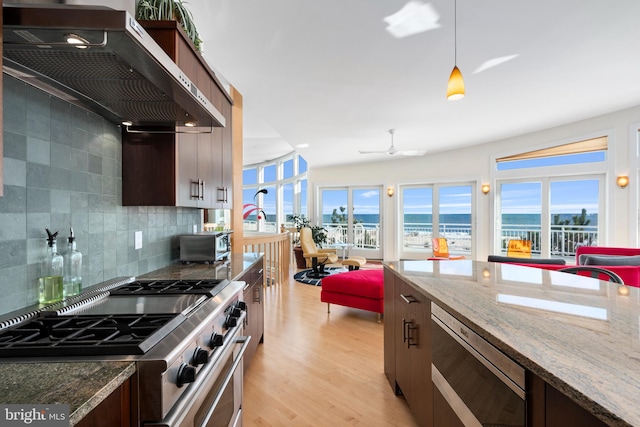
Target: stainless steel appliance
186,338
113,67
473,381
205,247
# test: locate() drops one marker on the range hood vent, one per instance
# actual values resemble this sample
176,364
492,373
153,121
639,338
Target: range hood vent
122,74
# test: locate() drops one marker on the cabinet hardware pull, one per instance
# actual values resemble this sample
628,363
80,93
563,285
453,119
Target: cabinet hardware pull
408,298
407,327
222,191
226,195
202,187
195,185
410,340
404,330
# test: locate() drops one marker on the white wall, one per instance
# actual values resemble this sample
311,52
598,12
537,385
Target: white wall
475,164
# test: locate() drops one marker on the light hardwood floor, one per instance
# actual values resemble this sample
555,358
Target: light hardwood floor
319,369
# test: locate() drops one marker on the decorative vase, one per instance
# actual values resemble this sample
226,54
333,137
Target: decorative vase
299,255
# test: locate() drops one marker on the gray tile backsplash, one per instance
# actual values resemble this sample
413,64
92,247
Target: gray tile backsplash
62,168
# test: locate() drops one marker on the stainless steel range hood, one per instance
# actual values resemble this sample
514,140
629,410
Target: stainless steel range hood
123,74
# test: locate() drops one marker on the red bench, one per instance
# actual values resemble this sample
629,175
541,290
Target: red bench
362,289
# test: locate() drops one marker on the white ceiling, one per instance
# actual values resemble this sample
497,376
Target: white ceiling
328,74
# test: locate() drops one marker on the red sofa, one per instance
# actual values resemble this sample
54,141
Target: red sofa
630,274
363,289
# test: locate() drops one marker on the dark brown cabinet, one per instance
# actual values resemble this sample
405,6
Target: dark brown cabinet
172,167
253,297
548,407
409,339
114,410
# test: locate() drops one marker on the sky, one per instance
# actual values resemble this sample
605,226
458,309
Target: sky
565,196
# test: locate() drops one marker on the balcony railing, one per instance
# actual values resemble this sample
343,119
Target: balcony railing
417,236
365,235
564,238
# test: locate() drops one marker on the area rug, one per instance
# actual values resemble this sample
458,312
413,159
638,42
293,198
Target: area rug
302,276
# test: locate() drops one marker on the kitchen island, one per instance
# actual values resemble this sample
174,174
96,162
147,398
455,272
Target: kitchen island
103,390
575,336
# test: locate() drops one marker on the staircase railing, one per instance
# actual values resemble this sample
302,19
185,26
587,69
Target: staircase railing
277,254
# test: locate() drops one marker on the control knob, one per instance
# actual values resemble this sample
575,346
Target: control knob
241,305
216,340
235,312
231,321
200,356
186,374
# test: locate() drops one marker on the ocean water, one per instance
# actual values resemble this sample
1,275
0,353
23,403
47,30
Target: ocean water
523,219
465,218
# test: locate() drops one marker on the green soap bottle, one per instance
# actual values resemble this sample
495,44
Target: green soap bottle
50,288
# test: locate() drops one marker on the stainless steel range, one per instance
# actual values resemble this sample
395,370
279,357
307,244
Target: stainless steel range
186,338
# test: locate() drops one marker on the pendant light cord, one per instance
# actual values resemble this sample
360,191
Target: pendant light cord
455,32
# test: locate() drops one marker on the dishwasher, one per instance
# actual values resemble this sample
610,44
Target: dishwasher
475,384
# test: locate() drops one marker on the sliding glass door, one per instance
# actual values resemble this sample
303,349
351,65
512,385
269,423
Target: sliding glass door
556,214
435,210
352,218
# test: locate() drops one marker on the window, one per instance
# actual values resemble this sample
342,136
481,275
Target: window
272,191
587,151
436,210
556,214
552,197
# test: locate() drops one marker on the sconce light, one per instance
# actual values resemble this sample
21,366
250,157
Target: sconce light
485,188
623,291
622,181
486,273
390,191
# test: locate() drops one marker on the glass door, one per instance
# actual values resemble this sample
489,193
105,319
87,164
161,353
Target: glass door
352,218
436,210
556,214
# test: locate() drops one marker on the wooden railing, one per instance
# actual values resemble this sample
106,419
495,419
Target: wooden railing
277,254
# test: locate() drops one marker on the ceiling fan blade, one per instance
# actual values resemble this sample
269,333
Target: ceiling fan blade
392,150
373,152
412,152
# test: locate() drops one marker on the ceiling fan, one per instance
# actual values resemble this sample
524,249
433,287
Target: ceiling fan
392,151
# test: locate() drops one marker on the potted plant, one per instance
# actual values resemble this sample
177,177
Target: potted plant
319,235
169,10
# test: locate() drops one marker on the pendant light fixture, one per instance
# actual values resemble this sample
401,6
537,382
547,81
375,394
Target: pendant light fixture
455,87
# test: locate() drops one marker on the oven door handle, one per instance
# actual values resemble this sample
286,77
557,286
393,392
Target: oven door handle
245,343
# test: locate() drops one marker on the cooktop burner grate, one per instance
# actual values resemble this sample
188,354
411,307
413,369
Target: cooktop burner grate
87,335
171,287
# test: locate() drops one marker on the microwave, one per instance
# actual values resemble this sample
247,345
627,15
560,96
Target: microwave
205,247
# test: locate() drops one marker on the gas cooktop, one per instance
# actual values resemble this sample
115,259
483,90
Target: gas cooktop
171,287
127,319
87,335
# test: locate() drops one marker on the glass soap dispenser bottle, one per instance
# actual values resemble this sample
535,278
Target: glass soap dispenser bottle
72,268
50,287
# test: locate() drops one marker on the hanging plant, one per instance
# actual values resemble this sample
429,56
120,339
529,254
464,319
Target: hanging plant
169,10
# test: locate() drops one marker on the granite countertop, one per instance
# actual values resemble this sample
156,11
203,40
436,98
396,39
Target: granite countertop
578,334
81,385
236,266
